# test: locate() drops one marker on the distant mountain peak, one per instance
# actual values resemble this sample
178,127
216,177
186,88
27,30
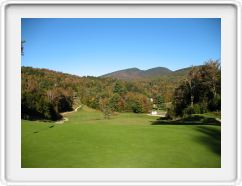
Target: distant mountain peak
137,74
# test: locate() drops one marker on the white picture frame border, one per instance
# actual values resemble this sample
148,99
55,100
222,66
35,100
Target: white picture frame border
235,3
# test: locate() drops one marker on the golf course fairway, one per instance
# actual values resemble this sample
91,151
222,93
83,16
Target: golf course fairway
126,140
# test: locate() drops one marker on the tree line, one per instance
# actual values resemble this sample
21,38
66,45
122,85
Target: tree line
46,93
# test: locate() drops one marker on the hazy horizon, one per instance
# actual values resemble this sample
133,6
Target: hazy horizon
94,47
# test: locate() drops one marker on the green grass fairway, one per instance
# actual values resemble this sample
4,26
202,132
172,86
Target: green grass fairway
125,140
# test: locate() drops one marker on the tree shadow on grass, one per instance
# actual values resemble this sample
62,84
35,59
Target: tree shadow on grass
211,137
190,120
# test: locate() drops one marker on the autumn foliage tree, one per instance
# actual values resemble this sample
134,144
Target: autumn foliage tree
105,108
201,91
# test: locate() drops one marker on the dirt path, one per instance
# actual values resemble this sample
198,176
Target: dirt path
75,110
64,119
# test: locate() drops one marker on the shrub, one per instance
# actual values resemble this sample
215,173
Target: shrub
170,114
136,107
188,111
203,107
196,109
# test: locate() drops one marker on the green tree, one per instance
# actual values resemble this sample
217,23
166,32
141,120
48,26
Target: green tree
160,102
114,102
119,88
105,108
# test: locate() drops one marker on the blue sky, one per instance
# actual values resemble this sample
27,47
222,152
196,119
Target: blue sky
99,46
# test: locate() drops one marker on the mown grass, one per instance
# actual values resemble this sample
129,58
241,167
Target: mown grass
125,140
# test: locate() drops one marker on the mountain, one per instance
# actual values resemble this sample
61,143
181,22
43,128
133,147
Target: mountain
137,74
153,73
127,74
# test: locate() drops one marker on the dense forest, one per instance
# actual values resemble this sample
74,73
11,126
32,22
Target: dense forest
46,93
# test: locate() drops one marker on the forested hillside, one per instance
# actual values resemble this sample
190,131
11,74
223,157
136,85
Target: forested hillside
46,93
